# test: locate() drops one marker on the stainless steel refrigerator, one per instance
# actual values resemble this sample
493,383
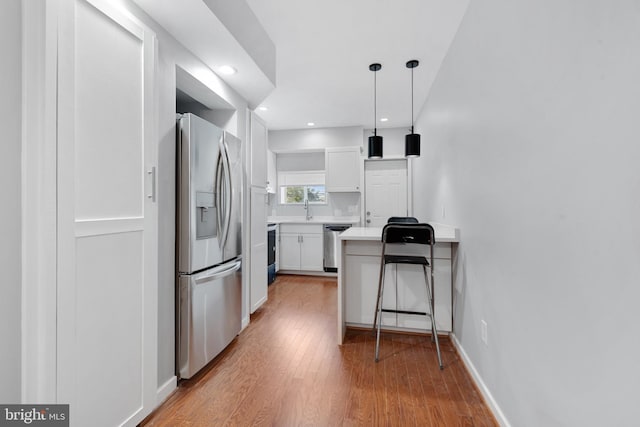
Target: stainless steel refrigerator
209,242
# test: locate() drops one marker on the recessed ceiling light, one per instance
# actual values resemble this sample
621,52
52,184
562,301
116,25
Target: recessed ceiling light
227,70
311,124
262,108
384,119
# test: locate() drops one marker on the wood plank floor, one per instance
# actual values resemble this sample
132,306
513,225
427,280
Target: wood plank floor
286,369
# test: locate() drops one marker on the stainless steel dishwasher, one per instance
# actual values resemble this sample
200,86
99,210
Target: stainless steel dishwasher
331,242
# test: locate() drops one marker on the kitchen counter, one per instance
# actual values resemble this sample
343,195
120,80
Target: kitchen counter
314,220
358,272
443,233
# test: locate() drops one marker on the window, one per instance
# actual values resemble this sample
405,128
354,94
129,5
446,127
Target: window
298,194
298,187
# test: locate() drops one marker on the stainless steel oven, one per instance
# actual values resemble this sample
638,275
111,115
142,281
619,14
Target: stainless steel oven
272,242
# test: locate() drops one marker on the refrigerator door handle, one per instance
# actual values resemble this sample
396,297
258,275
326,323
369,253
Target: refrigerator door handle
218,272
228,192
218,198
224,183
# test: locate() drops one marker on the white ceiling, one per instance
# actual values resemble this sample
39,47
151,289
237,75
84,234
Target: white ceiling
323,52
239,41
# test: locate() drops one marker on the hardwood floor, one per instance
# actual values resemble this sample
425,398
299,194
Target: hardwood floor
286,369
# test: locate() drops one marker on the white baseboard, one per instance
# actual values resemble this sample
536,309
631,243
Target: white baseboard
488,397
165,390
245,323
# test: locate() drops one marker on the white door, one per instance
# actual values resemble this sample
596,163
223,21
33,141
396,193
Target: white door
385,190
107,216
258,276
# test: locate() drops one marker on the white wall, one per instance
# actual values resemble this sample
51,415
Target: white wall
10,194
172,54
314,139
313,161
531,145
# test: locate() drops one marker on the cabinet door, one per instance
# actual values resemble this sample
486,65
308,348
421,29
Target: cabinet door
258,237
289,252
311,252
342,169
258,146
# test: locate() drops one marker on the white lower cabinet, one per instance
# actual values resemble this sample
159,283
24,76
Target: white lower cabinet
311,252
301,247
289,251
403,284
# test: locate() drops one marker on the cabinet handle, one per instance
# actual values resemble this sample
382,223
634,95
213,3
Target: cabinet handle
368,213
368,221
152,174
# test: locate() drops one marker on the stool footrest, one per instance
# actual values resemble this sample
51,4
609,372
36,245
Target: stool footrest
385,310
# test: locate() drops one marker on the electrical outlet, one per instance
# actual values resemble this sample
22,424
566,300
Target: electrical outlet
483,331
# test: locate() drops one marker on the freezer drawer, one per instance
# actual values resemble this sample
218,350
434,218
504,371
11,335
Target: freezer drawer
209,315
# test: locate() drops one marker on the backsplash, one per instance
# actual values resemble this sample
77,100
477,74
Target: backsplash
338,204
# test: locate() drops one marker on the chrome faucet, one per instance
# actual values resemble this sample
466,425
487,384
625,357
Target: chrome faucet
308,209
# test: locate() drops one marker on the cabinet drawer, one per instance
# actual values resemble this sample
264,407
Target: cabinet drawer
301,228
370,248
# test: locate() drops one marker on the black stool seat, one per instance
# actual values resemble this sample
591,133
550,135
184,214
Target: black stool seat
401,232
405,259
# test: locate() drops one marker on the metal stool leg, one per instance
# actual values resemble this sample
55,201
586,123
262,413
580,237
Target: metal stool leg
378,300
379,308
432,314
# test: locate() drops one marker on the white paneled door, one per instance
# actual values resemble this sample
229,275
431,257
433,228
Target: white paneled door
385,190
107,216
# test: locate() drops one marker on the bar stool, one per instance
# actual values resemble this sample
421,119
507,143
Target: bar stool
402,220
394,234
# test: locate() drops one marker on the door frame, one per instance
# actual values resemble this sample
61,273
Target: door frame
39,201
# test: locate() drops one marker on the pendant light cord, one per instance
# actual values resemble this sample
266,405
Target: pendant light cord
412,64
412,100
375,103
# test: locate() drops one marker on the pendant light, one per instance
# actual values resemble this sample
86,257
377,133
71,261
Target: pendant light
375,141
412,140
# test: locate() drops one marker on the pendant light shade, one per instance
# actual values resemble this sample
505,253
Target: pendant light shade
375,141
412,145
412,140
375,147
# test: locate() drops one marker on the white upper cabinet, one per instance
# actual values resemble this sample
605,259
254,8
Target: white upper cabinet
258,146
343,169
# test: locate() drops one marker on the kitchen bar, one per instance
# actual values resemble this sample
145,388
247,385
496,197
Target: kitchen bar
358,273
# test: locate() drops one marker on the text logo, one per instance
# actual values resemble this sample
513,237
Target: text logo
34,415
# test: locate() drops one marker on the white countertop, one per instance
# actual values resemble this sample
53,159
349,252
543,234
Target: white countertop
313,220
444,233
